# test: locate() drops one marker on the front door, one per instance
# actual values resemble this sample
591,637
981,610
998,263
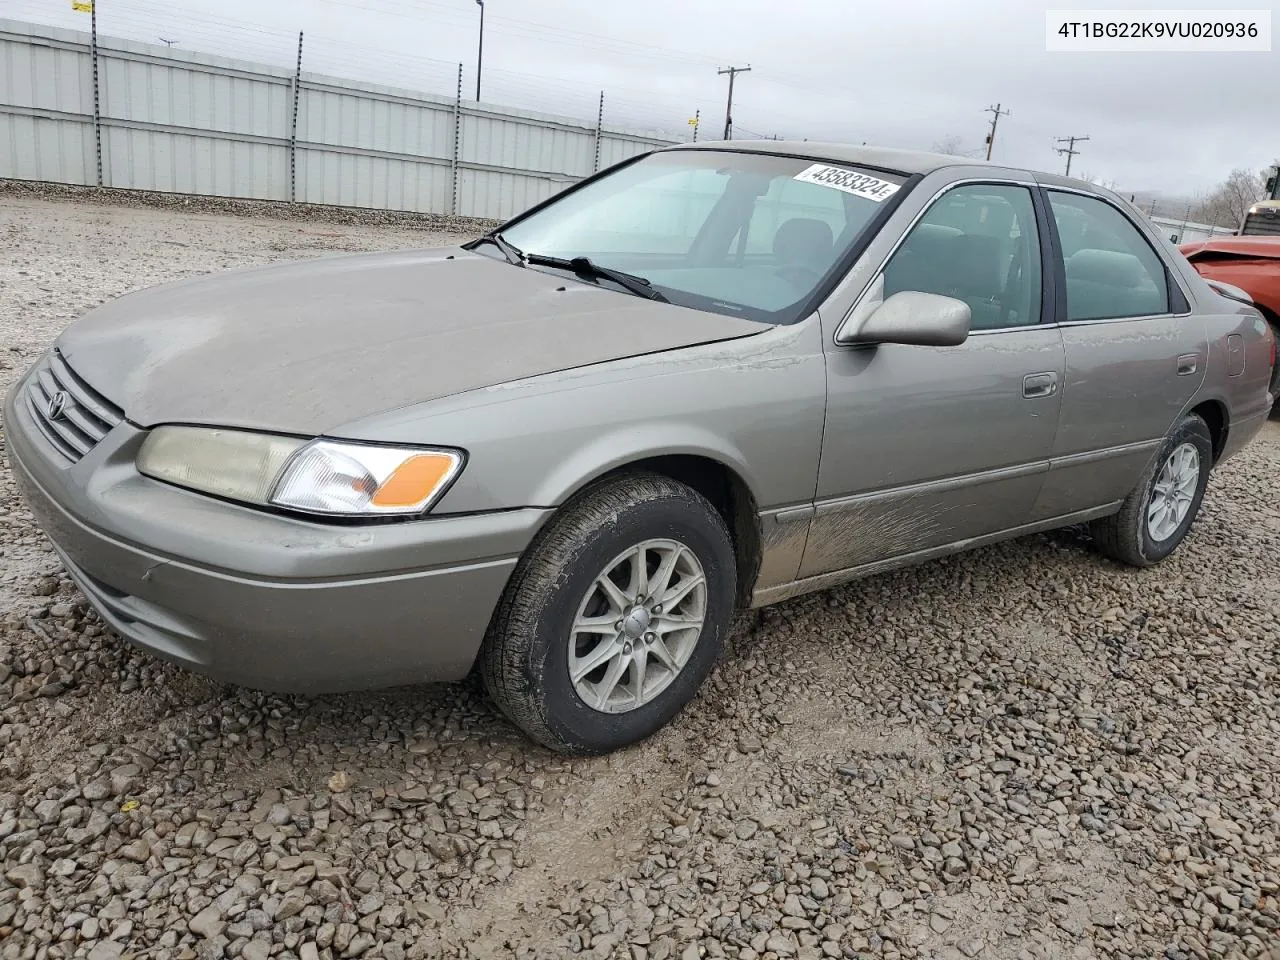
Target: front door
930,446
1135,357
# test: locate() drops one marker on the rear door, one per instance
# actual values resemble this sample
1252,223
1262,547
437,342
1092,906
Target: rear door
1135,354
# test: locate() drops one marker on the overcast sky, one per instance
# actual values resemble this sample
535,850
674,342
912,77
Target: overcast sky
892,72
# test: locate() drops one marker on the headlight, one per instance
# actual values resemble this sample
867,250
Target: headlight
226,463
320,476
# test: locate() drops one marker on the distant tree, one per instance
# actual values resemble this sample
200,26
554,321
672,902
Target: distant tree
1105,184
1227,203
951,145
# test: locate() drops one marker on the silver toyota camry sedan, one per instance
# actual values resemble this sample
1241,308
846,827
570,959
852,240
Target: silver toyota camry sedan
713,376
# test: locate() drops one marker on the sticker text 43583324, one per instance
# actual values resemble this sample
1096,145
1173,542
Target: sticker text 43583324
859,184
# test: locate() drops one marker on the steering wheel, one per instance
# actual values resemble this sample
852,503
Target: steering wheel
798,274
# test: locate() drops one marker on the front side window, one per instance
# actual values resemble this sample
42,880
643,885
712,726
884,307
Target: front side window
1111,270
750,235
977,243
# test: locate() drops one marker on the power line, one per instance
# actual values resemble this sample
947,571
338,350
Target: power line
1070,150
728,110
996,114
270,41
448,13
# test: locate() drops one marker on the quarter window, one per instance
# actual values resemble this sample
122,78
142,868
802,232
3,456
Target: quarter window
1111,270
977,243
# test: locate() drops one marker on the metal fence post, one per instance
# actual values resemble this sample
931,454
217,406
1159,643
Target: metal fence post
599,130
97,113
457,142
293,126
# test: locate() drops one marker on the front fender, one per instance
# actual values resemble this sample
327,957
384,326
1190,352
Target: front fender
754,404
633,443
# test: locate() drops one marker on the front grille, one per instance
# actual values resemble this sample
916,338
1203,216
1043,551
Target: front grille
79,418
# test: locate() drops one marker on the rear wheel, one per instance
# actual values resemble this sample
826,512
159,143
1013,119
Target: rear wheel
614,617
1160,510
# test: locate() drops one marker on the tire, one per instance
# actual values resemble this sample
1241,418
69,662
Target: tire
525,657
1129,536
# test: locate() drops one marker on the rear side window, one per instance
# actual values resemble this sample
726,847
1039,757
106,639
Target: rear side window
1111,270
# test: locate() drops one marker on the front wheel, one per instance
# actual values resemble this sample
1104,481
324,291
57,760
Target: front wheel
614,616
1160,510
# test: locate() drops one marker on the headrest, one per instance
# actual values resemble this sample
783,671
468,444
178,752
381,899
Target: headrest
804,241
928,239
1107,267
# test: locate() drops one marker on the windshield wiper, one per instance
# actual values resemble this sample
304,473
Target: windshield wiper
583,266
513,253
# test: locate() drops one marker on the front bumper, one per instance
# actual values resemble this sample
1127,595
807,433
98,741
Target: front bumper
263,600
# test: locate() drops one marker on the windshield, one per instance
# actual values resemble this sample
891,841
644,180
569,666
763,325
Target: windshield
745,234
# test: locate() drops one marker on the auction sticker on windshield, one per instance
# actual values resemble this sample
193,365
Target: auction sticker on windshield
859,184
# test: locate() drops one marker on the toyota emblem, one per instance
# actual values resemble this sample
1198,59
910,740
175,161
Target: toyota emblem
57,404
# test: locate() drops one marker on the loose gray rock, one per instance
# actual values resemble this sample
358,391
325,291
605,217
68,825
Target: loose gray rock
207,923
106,950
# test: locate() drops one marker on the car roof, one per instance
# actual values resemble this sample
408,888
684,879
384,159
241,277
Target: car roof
881,158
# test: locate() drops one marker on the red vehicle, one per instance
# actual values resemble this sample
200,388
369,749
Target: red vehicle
1243,265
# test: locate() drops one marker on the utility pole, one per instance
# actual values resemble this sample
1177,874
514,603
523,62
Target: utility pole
97,101
91,7
480,51
1070,150
728,110
996,114
293,126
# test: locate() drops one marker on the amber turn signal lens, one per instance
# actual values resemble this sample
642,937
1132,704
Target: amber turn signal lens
414,480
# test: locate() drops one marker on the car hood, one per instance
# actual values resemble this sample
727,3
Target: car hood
307,346
1265,247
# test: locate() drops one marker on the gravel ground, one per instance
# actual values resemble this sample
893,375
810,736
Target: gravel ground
1025,752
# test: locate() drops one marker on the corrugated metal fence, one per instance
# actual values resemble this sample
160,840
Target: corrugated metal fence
186,122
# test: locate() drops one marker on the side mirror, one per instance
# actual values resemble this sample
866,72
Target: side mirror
911,317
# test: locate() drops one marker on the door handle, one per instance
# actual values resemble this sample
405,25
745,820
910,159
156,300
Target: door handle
1188,363
1035,385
